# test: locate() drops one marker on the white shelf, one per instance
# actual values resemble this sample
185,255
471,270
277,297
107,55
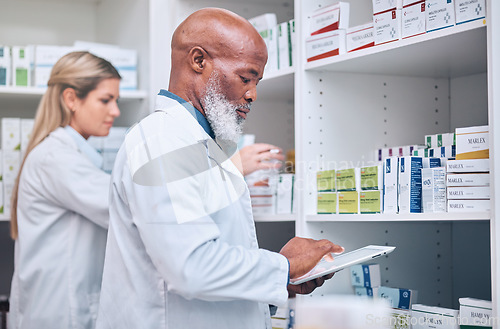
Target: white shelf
440,54
275,218
277,85
34,93
436,217
4,218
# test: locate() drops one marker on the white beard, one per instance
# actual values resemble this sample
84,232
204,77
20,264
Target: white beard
226,123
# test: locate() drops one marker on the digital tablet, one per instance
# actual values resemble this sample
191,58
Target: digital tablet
342,261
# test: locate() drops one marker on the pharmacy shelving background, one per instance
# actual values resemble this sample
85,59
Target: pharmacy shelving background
334,111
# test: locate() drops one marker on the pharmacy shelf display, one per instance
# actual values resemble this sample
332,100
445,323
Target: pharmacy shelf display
349,105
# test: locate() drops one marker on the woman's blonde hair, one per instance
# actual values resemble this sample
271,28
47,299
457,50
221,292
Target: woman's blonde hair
79,70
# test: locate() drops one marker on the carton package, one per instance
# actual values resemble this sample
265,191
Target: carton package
348,202
11,134
380,6
387,26
475,313
366,291
439,14
469,205
468,192
264,22
330,18
263,199
26,129
348,179
21,66
469,10
468,180
468,166
398,298
400,319
391,185
272,50
45,57
472,142
360,37
431,317
410,185
372,178
325,45
284,193
413,20
367,275
5,66
434,190
284,46
371,202
325,180
327,203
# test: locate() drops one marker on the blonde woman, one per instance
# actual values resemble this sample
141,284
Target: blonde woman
59,214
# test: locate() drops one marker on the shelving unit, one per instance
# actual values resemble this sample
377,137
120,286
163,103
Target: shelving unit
333,112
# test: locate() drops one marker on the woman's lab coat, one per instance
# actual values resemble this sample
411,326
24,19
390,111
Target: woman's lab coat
182,250
62,217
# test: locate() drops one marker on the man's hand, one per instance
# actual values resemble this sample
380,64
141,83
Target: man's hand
308,286
303,254
256,157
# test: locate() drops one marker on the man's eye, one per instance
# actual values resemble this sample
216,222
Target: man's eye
245,80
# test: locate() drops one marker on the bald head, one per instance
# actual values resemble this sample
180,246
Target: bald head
213,41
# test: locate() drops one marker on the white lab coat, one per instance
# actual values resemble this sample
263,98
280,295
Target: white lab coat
182,249
62,217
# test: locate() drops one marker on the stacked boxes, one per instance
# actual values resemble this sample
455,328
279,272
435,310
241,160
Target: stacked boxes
386,21
22,57
371,195
284,317
360,37
279,39
410,184
398,298
5,66
15,135
365,279
327,31
431,317
348,186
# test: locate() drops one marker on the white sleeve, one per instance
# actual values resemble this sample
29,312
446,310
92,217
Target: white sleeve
71,181
188,251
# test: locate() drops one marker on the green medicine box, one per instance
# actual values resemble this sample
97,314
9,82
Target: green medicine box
326,181
370,202
348,202
327,203
372,178
346,179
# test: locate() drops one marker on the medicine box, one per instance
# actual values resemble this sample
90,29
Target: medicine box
391,185
398,298
272,49
445,151
366,291
387,26
469,205
284,193
1,198
410,185
327,203
277,323
433,190
5,66
469,10
21,66
400,319
475,313
431,162
439,14
348,179
371,202
284,46
367,275
264,22
468,192
413,20
360,37
325,180
468,179
325,45
446,139
432,317
330,18
380,6
11,134
372,178
348,202
472,142
293,48
11,161
45,57
263,199
431,141
26,129
468,166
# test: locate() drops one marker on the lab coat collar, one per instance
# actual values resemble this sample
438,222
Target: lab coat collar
84,147
202,120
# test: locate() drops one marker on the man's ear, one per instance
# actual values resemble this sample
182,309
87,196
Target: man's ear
198,59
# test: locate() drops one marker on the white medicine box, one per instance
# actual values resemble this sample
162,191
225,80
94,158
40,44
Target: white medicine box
5,66
413,20
367,275
431,317
330,18
439,14
387,26
475,313
469,10
325,45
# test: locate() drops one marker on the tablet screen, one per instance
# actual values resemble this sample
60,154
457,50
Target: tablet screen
344,260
